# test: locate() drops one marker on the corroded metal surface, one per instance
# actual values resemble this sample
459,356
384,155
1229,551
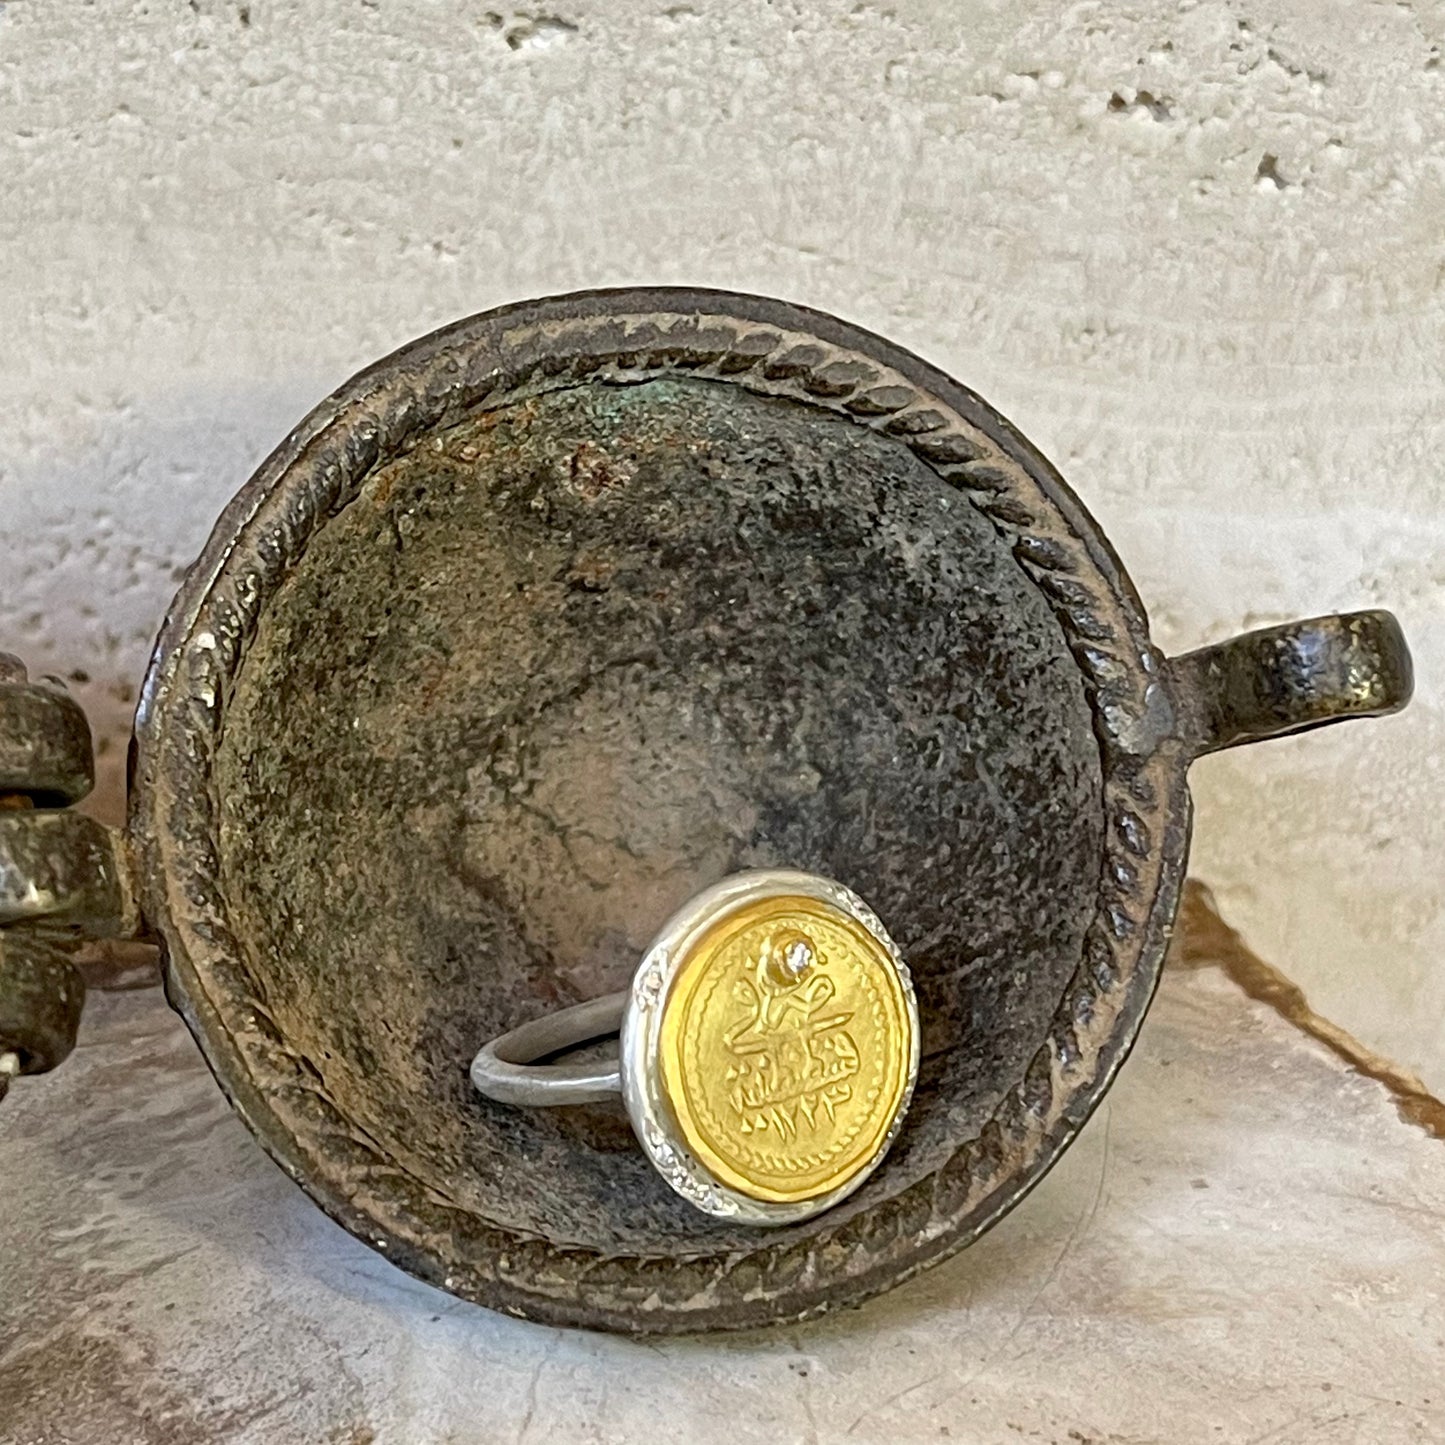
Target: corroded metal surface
65,870
45,751
1294,677
562,614
41,996
504,781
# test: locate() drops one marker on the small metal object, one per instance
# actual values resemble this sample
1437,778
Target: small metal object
543,625
769,1046
41,995
45,751
60,873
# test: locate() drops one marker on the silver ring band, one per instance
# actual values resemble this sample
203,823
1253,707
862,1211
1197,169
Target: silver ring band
505,1069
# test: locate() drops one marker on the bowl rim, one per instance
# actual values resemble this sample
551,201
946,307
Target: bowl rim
623,336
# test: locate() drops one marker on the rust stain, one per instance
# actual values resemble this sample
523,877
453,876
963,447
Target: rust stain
591,572
1205,940
593,472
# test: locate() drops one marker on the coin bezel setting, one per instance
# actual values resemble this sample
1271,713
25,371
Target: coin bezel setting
644,1087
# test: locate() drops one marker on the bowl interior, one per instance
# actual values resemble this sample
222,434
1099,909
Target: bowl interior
561,666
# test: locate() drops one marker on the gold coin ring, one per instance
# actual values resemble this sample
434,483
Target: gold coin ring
768,1050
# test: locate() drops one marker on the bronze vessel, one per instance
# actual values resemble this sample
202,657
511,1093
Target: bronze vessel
547,621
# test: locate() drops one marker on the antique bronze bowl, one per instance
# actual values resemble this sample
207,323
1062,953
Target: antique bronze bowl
551,619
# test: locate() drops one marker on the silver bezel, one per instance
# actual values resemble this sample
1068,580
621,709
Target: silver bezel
652,1118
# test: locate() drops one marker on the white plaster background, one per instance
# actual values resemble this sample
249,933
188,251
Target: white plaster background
212,212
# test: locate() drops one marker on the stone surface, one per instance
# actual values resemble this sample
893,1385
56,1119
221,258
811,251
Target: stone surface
1244,1245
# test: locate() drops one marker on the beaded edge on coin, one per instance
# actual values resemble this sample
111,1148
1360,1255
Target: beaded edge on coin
644,1090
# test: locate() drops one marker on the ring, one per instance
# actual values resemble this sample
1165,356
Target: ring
768,1048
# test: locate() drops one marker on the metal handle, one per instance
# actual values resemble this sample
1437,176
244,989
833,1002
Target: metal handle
63,877
1288,679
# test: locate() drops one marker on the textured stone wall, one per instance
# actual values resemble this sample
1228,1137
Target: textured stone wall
1193,250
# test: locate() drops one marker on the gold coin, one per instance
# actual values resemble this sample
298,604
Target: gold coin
787,1048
